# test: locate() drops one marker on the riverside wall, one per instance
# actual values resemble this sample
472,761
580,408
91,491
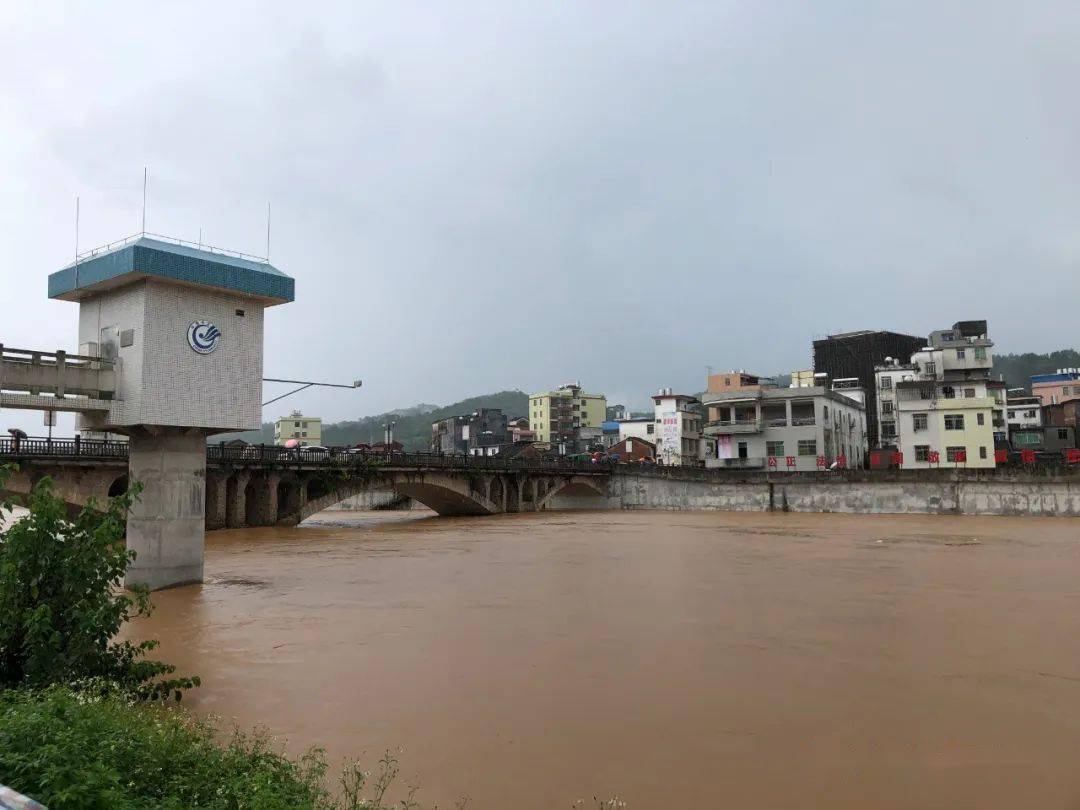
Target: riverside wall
951,492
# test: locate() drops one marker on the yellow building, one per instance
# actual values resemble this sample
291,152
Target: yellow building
307,430
556,416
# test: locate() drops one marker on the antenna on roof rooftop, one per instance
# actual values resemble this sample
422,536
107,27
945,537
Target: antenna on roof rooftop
76,242
145,174
268,233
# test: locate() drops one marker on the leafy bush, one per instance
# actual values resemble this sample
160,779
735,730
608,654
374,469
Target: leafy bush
73,750
61,606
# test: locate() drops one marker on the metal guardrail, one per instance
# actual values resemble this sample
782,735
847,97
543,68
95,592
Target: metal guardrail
32,447
127,240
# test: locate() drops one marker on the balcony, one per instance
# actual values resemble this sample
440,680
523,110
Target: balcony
724,427
803,421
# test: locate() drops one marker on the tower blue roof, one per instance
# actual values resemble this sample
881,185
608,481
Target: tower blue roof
145,257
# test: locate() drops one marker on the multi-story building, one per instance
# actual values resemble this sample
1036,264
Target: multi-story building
1053,389
810,426
857,354
613,413
307,430
555,416
486,431
480,433
679,439
942,408
1062,414
1024,410
450,435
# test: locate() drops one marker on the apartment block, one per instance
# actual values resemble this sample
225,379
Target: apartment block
941,409
556,416
307,430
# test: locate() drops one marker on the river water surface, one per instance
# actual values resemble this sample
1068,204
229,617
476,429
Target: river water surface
712,660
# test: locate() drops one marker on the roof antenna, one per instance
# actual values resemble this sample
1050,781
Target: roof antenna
144,175
268,233
76,243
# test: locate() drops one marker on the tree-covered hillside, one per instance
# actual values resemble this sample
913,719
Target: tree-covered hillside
413,428
1016,369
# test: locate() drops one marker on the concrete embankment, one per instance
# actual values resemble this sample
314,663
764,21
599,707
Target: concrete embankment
955,492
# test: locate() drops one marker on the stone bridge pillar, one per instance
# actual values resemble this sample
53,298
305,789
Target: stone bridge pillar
263,510
236,499
216,499
165,525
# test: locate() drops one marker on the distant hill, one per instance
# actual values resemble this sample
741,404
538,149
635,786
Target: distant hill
413,428
1016,369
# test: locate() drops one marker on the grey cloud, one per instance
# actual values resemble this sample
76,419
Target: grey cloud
487,195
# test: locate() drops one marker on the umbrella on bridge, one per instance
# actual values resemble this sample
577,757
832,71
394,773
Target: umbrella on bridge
16,433
291,443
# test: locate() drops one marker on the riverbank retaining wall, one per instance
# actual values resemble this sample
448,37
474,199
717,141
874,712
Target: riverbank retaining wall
897,492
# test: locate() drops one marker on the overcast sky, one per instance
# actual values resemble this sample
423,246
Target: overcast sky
483,196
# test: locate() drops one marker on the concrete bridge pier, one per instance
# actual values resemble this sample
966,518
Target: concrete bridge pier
165,526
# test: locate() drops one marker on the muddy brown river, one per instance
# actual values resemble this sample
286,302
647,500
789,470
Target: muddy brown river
677,660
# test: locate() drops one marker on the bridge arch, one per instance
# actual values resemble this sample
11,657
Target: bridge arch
578,485
119,486
445,494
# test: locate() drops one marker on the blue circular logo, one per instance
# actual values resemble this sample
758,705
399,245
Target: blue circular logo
203,336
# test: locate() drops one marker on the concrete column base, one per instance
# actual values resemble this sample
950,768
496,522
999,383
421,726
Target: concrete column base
166,525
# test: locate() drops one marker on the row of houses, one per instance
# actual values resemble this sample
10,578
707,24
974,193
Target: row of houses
871,398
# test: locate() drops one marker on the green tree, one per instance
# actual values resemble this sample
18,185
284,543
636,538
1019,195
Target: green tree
61,604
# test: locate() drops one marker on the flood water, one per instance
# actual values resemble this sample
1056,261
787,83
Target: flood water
712,660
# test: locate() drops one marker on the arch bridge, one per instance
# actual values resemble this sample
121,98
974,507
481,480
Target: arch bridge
269,486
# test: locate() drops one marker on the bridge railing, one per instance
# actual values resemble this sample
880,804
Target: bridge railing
66,448
348,457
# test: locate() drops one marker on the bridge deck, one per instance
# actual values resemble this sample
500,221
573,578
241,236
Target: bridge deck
75,450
